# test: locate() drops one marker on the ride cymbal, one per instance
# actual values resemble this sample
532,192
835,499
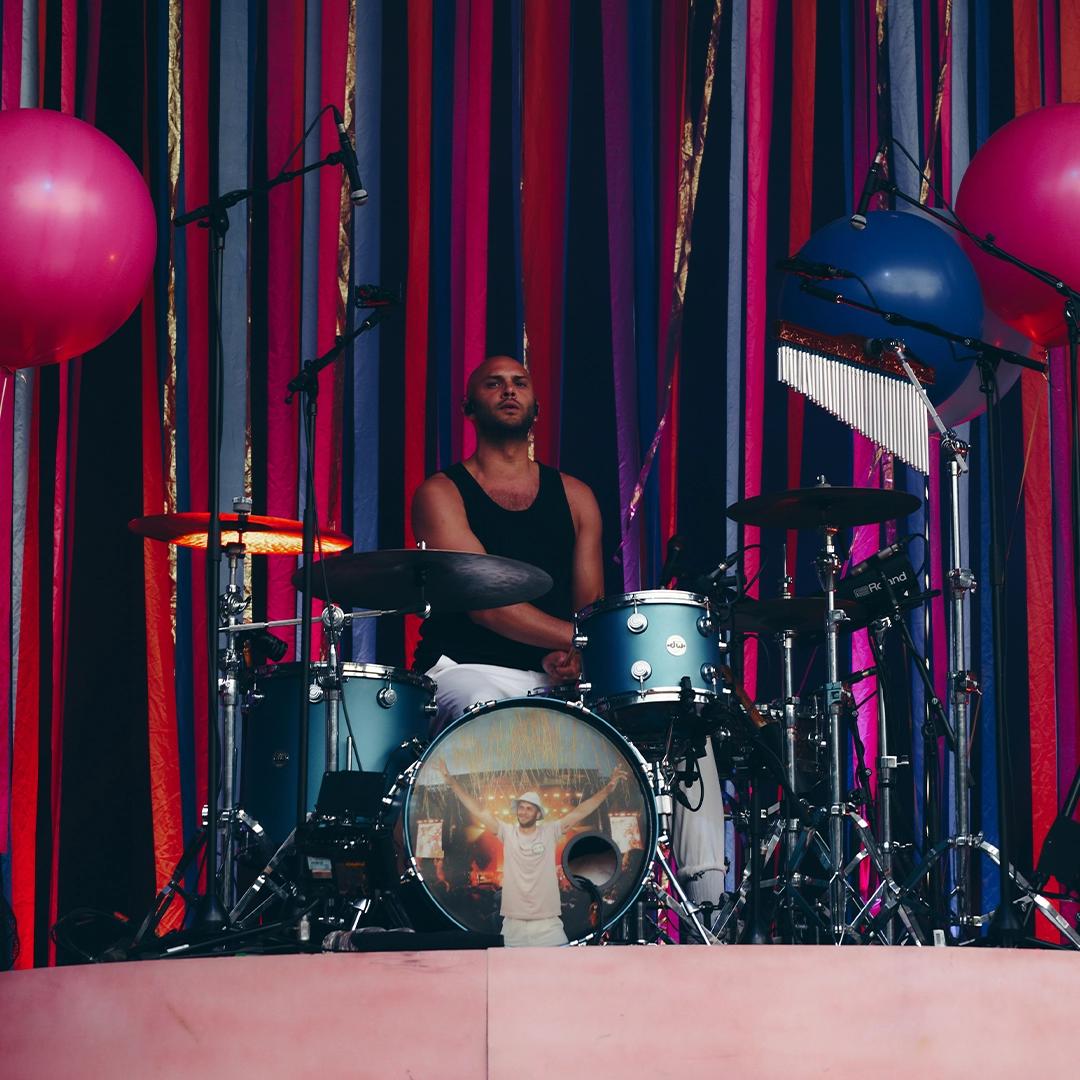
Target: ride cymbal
404,578
259,535
824,505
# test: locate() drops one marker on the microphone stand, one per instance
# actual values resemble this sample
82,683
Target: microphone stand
1071,313
306,383
211,912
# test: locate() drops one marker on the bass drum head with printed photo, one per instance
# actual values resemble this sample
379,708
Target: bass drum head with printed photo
558,755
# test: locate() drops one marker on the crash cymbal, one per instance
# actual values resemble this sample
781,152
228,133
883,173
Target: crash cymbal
405,578
803,614
811,508
259,535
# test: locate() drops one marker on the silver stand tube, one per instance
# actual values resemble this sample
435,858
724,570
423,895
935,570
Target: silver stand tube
791,708
333,619
828,568
232,604
961,681
886,763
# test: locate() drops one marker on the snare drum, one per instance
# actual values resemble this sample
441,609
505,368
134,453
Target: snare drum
388,709
636,648
455,864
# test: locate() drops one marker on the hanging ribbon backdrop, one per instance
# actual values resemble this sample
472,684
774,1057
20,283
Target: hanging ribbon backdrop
545,178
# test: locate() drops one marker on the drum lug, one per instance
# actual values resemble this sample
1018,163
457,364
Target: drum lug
430,708
641,670
705,624
709,673
637,623
580,640
315,693
387,697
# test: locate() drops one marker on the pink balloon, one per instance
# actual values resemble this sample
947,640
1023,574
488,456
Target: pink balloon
1023,187
77,237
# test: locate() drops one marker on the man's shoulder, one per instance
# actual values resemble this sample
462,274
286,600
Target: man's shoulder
575,487
437,485
578,494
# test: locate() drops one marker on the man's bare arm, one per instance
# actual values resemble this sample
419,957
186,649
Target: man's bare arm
439,519
475,809
584,809
588,569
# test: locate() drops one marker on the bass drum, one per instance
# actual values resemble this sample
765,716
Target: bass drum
560,753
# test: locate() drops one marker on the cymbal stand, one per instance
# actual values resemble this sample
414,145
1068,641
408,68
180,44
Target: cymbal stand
828,570
306,383
231,606
962,683
791,708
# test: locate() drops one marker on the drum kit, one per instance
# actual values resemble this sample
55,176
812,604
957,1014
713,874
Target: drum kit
382,841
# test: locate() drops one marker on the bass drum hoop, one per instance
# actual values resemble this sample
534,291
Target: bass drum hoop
663,695
633,759
352,670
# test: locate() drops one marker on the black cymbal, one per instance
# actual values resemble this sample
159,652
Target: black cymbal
816,507
406,578
805,615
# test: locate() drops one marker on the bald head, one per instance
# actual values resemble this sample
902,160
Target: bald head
500,399
497,363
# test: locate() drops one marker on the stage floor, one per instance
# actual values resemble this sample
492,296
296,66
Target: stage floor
774,1011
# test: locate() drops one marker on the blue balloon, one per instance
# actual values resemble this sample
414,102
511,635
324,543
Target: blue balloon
909,265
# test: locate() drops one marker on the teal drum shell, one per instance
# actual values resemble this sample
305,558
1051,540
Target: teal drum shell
637,649
390,711
562,754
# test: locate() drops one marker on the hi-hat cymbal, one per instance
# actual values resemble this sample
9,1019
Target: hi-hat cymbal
805,615
259,535
816,507
400,579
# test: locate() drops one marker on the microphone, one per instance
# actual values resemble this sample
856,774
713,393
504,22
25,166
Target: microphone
870,188
710,579
808,269
676,545
858,676
357,194
881,556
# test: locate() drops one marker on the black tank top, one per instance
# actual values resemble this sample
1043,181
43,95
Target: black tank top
542,534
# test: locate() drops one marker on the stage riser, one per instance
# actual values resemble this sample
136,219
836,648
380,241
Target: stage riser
616,1012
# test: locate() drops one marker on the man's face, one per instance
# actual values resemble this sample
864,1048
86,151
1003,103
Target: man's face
503,401
527,814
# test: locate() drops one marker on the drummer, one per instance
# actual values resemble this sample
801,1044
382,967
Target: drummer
502,502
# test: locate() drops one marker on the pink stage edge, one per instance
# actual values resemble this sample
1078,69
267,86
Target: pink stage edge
658,1012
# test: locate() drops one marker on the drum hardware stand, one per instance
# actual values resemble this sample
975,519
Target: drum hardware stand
306,383
1005,928
214,216
1028,900
659,773
962,683
231,606
828,570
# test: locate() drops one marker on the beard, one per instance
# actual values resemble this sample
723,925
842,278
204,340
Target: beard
497,428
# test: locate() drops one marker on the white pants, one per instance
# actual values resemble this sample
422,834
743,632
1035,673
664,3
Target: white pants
518,933
698,840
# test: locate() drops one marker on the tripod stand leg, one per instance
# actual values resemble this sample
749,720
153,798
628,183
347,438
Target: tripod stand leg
681,905
163,900
240,914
